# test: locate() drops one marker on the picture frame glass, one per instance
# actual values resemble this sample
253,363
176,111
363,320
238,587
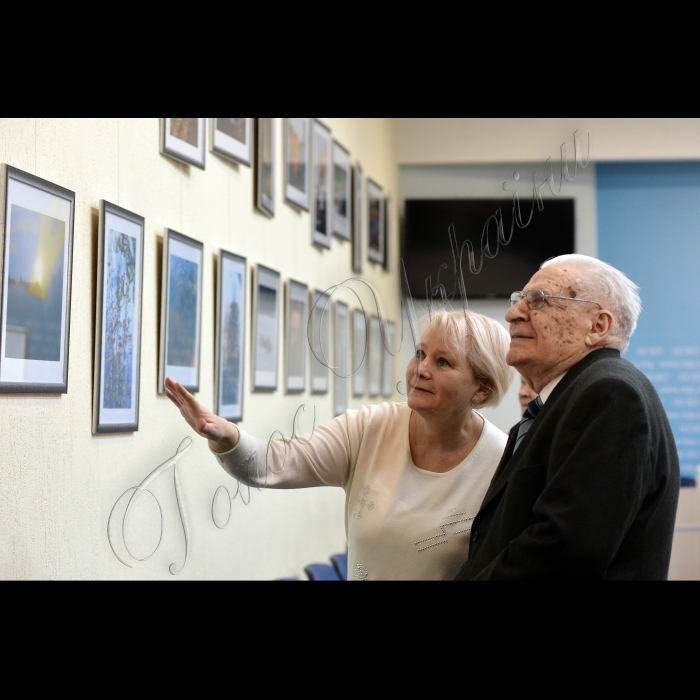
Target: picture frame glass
231,322
340,360
357,219
375,356
389,359
232,137
296,162
184,139
320,342
375,219
322,185
359,352
120,321
296,318
342,192
183,320
265,165
36,265
265,352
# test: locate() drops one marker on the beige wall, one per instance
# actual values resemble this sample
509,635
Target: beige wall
431,141
58,482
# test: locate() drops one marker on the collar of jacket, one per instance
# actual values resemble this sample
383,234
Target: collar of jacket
575,371
499,480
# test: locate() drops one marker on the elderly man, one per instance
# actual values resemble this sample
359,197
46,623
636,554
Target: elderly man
588,484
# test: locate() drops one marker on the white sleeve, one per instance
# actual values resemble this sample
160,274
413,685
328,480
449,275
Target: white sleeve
323,458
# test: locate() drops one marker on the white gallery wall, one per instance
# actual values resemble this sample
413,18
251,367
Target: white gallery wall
58,482
450,140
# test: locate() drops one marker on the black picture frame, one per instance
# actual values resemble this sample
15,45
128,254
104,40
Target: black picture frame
226,133
295,319
297,162
266,325
358,218
342,192
265,129
184,139
375,222
36,301
231,318
118,320
183,342
322,184
319,337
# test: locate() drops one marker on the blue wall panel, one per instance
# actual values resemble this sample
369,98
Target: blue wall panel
649,227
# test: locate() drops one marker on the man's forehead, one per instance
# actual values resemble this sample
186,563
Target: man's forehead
549,278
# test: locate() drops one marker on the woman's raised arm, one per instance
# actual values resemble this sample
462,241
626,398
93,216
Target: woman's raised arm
222,435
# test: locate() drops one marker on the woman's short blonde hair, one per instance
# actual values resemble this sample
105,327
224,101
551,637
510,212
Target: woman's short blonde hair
478,340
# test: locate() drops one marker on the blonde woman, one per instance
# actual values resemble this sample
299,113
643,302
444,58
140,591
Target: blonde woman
415,473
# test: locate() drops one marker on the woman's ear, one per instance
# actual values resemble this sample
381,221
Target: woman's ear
484,392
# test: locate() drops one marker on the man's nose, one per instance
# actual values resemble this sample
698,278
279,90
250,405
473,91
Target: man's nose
518,312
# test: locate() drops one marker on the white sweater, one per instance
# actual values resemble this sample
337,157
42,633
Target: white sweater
402,522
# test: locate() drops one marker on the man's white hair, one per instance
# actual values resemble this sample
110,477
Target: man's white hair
597,281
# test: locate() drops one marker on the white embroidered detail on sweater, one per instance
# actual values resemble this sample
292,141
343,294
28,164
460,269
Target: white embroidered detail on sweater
361,502
441,538
360,573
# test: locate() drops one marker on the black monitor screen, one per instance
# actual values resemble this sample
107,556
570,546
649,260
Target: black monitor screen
426,243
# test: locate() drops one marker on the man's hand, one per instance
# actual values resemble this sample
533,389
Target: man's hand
222,435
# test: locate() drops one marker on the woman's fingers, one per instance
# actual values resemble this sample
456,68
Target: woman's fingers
204,422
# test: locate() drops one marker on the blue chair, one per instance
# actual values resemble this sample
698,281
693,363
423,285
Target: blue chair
340,563
321,572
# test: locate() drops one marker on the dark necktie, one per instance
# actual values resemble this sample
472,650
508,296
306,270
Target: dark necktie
533,408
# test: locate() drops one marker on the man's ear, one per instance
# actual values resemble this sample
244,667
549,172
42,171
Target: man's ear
600,328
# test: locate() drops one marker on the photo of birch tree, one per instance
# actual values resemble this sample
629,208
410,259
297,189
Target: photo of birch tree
119,320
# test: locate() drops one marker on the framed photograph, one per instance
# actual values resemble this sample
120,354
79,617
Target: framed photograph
232,138
266,303
320,342
119,301
297,155
231,305
296,315
357,218
340,360
387,234
389,360
183,138
322,159
36,240
375,356
181,311
375,221
342,191
265,166
359,352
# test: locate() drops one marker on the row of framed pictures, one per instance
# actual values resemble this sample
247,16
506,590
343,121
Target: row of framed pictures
311,321
36,240
318,175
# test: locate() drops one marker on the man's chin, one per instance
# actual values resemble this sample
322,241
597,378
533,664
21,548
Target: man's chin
515,359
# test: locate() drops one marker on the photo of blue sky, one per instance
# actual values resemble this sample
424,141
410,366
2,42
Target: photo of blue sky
182,313
35,284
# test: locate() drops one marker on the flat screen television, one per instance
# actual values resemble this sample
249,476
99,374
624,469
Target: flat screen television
426,243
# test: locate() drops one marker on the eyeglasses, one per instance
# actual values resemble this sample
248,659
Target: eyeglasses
535,299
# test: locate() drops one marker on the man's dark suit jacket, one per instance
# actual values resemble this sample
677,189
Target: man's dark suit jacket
591,492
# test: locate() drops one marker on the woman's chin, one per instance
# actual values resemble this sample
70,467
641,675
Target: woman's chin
418,401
